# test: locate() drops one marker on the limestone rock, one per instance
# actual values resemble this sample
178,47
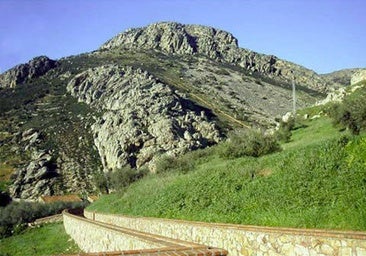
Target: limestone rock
141,116
24,72
340,78
358,76
334,96
337,95
176,38
36,179
48,172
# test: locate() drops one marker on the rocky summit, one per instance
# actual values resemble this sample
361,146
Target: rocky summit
164,89
175,38
26,72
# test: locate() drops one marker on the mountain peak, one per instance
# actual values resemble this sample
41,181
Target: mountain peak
173,37
36,67
216,44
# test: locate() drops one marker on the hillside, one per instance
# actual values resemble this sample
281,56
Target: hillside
39,241
165,89
342,77
316,181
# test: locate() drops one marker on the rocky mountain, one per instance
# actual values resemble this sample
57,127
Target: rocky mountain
341,78
175,38
25,72
164,89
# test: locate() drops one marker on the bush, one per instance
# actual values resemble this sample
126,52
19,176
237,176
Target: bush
5,199
248,143
101,182
16,214
351,113
122,178
182,164
284,131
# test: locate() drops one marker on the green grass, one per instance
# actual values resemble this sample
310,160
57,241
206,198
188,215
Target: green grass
5,173
317,181
50,239
309,132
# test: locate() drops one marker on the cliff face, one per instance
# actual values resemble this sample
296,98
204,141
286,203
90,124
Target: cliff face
142,117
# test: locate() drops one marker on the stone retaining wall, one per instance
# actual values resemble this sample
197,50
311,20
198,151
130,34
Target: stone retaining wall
97,238
247,240
92,237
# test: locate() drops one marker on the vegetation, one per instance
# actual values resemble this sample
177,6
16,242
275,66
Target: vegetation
49,239
248,143
317,181
284,131
15,216
351,113
119,179
5,172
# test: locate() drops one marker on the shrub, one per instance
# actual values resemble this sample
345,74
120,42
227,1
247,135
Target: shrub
284,131
16,214
101,182
248,143
351,113
182,164
122,178
5,199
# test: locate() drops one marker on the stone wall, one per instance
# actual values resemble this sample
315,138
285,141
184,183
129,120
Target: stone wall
93,237
108,239
247,240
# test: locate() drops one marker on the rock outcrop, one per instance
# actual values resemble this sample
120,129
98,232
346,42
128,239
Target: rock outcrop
175,38
141,117
358,76
340,78
24,72
48,171
36,179
338,95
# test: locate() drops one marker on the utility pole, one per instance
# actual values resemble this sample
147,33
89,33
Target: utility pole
293,97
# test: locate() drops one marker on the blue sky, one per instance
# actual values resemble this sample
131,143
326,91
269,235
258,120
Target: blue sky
323,35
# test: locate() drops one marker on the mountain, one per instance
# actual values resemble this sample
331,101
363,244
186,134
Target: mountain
164,89
342,77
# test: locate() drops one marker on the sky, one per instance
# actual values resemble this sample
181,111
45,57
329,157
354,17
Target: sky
322,35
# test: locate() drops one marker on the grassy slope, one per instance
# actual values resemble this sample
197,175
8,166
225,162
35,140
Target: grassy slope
49,239
317,181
